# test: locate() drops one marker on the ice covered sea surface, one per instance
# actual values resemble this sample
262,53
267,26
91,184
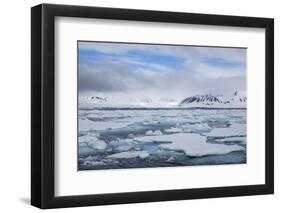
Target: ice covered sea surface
142,138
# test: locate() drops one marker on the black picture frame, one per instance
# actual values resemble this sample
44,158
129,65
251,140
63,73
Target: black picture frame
43,102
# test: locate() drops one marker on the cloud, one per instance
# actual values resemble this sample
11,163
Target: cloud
234,55
107,76
160,70
116,48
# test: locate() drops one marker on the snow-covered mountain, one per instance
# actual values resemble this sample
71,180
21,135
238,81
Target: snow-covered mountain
93,99
237,100
239,97
207,99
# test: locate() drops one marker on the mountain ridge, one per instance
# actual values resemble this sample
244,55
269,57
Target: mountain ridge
238,99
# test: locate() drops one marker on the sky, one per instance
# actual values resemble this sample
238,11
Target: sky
163,71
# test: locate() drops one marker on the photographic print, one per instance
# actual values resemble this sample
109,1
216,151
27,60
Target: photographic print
163,92
160,105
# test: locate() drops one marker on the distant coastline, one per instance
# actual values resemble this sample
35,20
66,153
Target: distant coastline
162,108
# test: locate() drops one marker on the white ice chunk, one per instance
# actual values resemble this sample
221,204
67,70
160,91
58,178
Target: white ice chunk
130,154
200,127
121,142
233,130
156,132
123,148
87,138
145,139
171,159
191,144
93,142
98,144
232,139
173,130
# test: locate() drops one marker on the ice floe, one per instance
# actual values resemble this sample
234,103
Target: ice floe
156,132
122,142
85,125
241,140
92,142
123,148
130,154
198,127
232,130
173,130
160,137
192,144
